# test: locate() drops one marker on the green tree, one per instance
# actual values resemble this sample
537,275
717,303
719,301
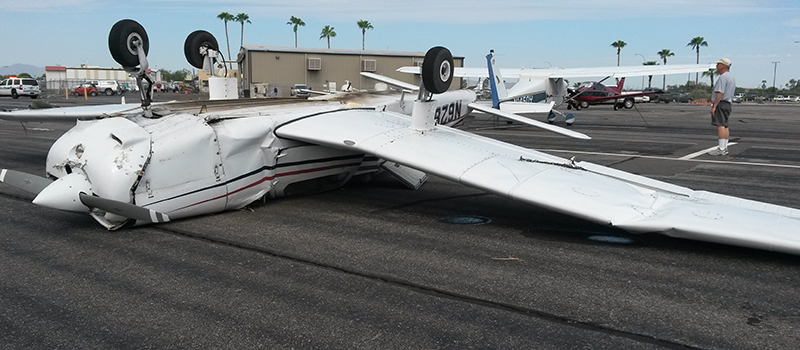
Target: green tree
227,17
710,73
242,18
664,54
650,77
695,44
24,75
619,44
294,21
364,25
327,32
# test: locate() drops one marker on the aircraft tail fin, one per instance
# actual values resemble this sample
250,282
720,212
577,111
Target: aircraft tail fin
495,81
620,84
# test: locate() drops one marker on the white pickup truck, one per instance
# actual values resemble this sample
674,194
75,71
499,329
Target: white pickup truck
108,87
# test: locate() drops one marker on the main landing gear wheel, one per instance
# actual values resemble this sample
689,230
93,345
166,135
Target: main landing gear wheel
121,42
570,119
551,117
616,106
584,104
437,70
196,45
628,103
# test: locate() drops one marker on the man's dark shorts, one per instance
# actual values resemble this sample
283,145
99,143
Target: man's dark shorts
721,114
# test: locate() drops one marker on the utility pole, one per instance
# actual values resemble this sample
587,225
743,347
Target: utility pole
774,73
643,60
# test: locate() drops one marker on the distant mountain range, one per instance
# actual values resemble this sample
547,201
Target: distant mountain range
19,68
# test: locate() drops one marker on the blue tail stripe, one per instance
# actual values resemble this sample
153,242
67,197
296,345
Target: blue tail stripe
492,84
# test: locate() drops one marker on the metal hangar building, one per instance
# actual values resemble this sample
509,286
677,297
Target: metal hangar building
264,68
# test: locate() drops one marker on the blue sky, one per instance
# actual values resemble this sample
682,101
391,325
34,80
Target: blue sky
524,33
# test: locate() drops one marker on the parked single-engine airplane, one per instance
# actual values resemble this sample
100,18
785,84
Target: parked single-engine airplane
593,93
549,85
128,168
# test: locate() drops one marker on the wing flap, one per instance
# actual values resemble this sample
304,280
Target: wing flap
584,190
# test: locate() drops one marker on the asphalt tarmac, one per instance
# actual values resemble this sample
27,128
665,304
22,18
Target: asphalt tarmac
377,266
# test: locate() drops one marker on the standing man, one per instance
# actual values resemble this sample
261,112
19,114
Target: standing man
721,99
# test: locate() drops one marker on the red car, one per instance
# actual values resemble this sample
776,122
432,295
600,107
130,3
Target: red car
85,88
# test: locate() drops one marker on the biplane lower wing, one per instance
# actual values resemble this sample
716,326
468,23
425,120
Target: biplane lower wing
585,190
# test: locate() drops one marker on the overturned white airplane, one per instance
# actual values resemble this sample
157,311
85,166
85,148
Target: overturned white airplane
127,168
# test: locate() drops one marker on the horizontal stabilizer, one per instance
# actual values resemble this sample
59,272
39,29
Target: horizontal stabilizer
531,122
391,81
123,209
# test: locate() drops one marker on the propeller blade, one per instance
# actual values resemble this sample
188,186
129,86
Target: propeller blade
488,109
29,183
123,209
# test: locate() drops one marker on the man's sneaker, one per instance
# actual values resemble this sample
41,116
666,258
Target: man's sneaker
718,152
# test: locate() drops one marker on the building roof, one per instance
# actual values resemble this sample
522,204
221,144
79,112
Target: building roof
262,48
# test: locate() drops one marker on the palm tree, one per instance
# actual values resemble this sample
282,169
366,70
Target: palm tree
364,25
242,18
650,77
695,44
619,44
327,32
227,17
710,73
664,54
295,22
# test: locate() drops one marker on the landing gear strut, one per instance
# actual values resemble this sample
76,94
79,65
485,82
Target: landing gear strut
129,46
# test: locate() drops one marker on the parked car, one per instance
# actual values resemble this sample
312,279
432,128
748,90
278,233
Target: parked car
108,87
659,95
683,97
736,99
85,89
297,90
781,98
16,87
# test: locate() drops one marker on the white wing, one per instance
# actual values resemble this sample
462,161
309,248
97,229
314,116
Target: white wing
584,190
554,73
70,113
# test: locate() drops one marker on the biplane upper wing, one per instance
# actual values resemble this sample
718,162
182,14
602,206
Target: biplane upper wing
583,189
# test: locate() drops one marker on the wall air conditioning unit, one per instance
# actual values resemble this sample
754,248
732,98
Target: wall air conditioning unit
369,66
314,63
417,63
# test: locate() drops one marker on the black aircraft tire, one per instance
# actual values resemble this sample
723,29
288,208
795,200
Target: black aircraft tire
120,42
193,43
584,104
437,70
628,103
